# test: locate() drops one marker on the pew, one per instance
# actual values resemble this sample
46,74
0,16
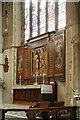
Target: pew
56,112
61,114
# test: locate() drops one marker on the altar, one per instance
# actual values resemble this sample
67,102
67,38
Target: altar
33,93
35,76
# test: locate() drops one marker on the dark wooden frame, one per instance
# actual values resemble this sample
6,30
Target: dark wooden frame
45,72
59,55
38,42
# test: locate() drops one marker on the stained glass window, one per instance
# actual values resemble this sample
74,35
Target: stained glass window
42,8
61,14
27,23
34,18
51,15
41,16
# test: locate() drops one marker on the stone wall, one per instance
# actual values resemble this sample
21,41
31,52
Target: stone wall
1,53
11,39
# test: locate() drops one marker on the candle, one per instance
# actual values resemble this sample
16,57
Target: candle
20,77
43,78
36,78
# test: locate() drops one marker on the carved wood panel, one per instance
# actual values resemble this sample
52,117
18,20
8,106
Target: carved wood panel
59,55
38,58
34,94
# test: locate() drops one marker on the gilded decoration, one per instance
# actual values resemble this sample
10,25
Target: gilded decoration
39,61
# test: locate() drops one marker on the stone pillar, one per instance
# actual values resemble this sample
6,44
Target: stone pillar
71,51
10,49
79,46
1,53
16,34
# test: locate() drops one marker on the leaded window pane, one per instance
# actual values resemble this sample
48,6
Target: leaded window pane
61,14
34,18
42,16
27,22
51,15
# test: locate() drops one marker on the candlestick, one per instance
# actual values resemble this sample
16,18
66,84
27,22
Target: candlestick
20,79
43,78
36,79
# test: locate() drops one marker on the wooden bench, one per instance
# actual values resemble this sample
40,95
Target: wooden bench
57,112
45,104
31,112
61,111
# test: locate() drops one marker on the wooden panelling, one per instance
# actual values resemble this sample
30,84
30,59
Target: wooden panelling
25,66
59,55
27,95
51,57
45,43
34,94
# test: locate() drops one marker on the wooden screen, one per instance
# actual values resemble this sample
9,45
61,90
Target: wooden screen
42,58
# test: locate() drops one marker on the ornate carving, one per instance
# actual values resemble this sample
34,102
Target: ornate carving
39,60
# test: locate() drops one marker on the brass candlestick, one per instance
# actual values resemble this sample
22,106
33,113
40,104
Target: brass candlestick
20,80
43,78
36,79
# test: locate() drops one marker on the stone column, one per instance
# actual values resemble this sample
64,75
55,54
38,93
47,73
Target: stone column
1,53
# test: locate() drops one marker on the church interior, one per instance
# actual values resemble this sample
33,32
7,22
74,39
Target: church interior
40,60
